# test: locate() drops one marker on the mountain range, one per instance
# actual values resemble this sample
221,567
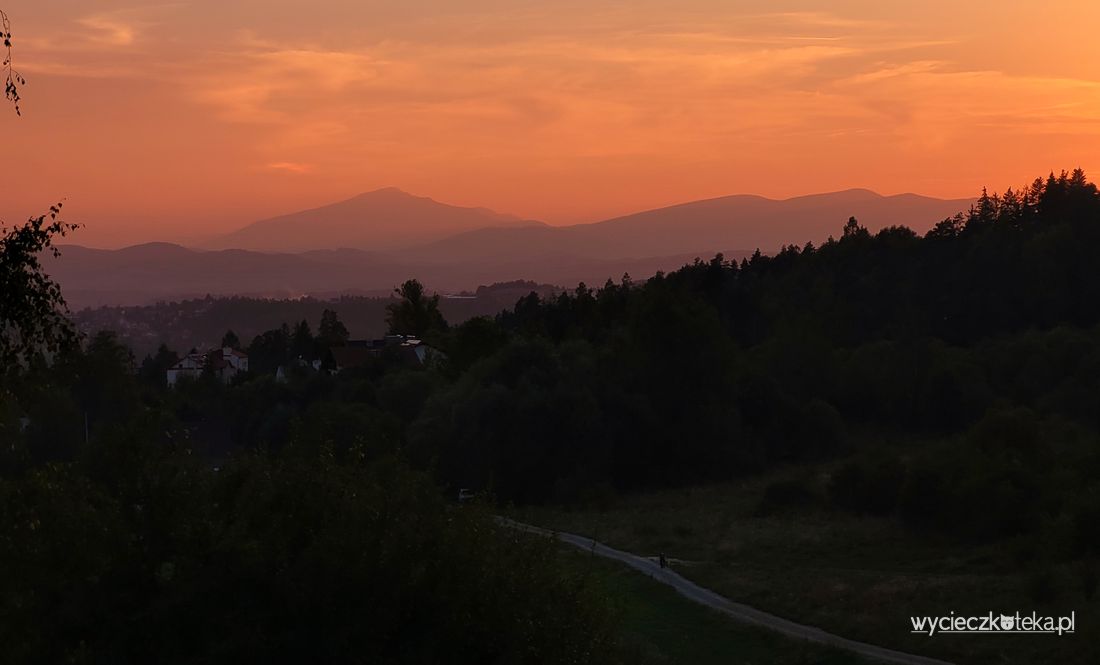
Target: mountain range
370,243
740,222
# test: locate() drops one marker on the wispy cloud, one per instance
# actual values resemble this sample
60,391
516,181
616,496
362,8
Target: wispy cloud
110,29
291,167
826,19
120,43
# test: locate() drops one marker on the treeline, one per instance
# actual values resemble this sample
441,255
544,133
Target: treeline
722,368
200,322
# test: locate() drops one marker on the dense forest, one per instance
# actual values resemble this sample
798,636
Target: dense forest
980,339
308,519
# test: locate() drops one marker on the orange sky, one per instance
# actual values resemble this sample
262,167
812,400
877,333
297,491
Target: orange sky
180,120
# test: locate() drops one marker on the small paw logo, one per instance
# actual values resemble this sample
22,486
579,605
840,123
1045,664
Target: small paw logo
1007,622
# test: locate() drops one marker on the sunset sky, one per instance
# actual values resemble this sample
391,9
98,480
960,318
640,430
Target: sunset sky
181,120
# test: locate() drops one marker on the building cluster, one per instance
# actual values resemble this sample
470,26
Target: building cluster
224,363
405,347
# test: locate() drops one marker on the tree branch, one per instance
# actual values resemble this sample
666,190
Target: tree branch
13,79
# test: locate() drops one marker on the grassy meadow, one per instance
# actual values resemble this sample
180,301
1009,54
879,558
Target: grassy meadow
860,577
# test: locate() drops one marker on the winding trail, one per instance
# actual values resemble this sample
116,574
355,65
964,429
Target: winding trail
737,611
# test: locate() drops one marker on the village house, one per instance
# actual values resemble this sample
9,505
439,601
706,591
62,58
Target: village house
410,349
225,363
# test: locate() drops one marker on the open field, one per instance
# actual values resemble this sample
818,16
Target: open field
859,577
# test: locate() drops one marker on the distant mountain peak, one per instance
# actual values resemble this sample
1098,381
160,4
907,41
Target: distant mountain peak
156,247
396,192
852,194
381,219
155,244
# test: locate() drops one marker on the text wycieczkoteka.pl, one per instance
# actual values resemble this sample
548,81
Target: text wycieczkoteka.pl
1017,623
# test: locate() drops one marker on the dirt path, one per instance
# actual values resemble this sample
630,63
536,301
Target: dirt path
737,611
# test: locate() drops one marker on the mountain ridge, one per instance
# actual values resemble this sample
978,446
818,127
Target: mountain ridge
640,243
743,221
391,219
379,219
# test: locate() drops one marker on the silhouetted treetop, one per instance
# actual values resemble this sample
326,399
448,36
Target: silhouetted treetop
415,313
32,310
332,332
230,340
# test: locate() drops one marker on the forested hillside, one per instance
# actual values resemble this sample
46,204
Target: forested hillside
984,328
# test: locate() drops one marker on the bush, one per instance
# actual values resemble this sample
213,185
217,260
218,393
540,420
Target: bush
1009,433
973,495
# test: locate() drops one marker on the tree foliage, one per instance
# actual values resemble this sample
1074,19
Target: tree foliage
415,313
32,310
230,340
332,332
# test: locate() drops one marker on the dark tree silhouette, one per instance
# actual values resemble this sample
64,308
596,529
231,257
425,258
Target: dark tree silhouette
416,313
269,350
332,332
153,368
230,340
32,310
301,344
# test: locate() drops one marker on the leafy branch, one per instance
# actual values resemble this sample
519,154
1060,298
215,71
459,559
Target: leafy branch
32,310
13,79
